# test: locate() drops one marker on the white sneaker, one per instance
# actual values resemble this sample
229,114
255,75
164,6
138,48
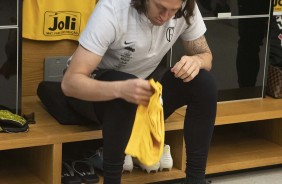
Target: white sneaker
166,161
153,168
128,164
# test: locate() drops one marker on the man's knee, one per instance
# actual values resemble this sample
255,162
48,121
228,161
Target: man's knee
205,85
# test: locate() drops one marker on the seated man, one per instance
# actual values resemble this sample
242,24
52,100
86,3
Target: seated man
120,48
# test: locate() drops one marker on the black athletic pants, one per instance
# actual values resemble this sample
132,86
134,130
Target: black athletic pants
117,117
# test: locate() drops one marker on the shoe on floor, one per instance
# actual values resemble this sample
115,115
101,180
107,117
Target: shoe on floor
68,176
96,159
149,169
86,171
128,164
166,161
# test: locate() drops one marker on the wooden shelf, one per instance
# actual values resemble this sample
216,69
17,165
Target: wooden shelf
140,177
48,131
17,175
234,149
246,110
12,172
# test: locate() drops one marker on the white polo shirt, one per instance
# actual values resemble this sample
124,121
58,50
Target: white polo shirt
129,42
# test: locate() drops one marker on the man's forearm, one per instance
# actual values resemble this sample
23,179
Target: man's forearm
199,50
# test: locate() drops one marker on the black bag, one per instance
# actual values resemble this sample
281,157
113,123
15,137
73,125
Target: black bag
274,75
12,123
274,81
275,51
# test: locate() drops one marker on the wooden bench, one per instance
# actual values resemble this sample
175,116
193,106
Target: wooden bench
248,133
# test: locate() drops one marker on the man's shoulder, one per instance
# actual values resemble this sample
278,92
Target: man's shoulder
120,9
117,5
120,5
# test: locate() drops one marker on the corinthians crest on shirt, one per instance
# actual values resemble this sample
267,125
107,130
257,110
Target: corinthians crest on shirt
58,23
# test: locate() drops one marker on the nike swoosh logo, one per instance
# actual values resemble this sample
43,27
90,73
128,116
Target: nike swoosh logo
126,43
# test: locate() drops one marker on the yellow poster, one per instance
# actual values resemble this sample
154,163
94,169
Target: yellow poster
277,9
55,19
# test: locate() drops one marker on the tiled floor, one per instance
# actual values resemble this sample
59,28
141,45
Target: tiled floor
268,175
264,176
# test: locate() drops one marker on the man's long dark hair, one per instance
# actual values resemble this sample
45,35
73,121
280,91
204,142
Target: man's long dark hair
186,12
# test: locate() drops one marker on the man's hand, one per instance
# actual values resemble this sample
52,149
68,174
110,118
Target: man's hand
136,91
187,68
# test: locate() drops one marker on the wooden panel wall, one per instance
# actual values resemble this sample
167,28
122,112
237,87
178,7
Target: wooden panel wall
33,54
